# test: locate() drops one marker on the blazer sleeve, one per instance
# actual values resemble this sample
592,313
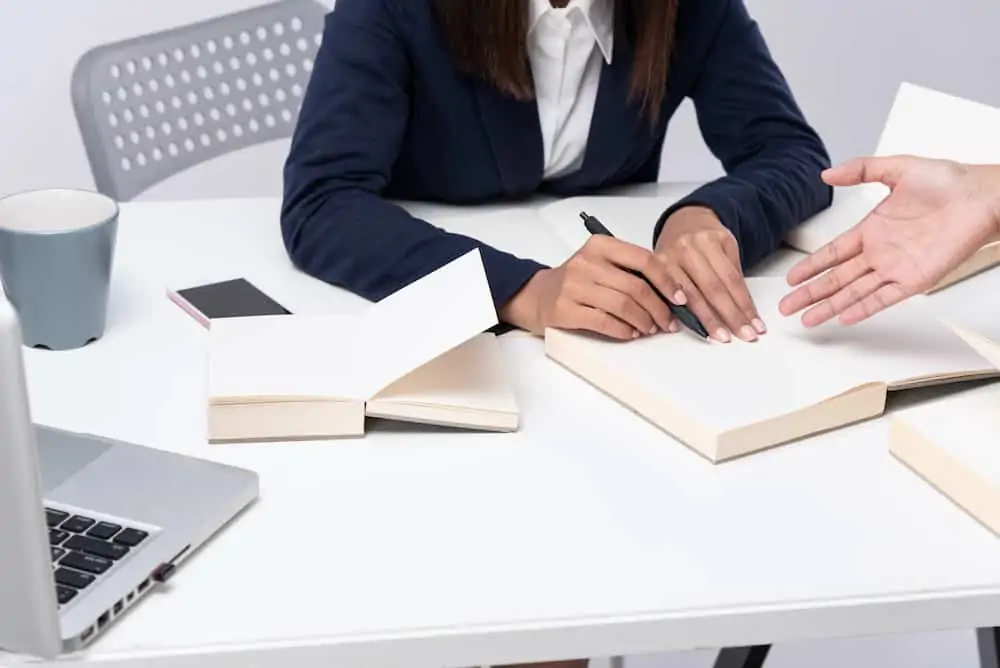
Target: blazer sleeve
334,222
752,124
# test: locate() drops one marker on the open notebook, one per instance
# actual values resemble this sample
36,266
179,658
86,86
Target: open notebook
419,355
728,400
926,123
552,232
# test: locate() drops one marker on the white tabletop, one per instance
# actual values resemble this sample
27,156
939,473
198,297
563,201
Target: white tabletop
587,533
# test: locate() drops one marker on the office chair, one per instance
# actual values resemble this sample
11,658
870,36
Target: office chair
155,105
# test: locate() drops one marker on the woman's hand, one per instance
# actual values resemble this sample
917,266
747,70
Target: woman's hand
704,261
593,291
936,215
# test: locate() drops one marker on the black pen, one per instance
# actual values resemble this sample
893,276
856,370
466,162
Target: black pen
681,312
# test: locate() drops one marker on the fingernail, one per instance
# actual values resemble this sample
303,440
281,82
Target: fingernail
747,333
674,327
679,297
653,330
636,334
759,325
722,334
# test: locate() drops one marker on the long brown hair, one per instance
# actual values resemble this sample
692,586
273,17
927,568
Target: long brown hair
487,38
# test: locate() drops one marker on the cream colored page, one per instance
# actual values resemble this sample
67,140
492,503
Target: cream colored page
988,349
472,376
285,356
730,385
518,231
965,425
902,343
724,386
631,218
424,320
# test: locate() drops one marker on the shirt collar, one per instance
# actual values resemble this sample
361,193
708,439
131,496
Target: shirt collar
599,15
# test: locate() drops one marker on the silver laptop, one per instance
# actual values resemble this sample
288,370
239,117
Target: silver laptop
88,526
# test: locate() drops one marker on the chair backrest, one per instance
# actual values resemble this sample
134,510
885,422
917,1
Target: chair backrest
155,105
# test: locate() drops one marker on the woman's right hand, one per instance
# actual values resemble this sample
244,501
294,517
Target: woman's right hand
593,291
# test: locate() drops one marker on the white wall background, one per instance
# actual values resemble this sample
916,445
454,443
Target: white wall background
844,60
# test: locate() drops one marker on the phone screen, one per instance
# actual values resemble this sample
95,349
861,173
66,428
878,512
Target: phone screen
227,299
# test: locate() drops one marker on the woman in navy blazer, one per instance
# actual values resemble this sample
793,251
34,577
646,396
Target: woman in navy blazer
442,100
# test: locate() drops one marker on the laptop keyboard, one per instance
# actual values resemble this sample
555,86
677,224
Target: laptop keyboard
84,549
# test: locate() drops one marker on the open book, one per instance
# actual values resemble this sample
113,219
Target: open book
552,232
952,443
926,123
419,355
728,400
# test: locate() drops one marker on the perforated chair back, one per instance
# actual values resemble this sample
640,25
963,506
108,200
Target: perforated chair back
153,106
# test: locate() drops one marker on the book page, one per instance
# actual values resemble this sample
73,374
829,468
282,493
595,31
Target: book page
989,349
285,357
736,384
424,320
630,218
921,122
518,231
965,425
473,376
933,124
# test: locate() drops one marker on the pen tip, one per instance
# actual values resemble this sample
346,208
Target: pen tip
583,215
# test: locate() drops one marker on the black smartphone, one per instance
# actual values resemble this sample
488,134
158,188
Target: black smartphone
227,299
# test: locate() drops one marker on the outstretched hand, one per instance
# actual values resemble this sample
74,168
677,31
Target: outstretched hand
937,214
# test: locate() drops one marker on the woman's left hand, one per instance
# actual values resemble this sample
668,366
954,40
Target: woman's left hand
704,259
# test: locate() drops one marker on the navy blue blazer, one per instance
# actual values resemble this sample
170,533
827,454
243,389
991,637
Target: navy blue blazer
387,116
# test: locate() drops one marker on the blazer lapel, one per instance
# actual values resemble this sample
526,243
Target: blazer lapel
515,136
617,121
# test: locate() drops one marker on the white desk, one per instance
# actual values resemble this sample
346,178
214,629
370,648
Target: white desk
588,533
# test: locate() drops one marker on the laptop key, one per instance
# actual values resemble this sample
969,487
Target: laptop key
57,553
77,524
64,594
56,536
86,562
54,517
98,547
131,537
74,579
104,530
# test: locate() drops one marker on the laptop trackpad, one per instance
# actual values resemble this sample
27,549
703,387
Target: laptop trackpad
62,454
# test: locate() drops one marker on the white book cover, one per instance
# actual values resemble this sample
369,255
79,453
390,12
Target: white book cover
352,357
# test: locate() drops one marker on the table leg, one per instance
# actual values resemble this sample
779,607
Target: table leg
988,640
746,657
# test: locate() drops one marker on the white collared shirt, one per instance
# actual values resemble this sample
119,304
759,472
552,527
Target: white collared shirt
567,49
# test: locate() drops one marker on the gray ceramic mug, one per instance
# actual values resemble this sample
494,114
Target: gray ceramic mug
56,251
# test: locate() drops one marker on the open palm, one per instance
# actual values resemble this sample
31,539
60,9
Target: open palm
935,216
